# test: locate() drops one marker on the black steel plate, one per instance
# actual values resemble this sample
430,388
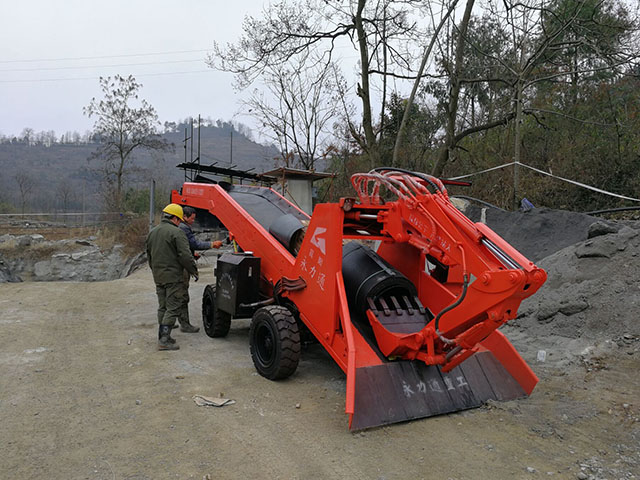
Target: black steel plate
406,390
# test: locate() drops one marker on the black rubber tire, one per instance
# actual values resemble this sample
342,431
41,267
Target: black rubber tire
274,341
216,323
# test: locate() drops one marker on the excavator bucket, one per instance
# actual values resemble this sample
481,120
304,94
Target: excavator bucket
393,388
406,390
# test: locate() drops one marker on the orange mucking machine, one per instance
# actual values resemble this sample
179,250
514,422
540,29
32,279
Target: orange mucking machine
404,292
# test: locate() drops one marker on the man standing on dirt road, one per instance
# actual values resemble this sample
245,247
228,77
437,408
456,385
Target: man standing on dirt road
169,256
189,216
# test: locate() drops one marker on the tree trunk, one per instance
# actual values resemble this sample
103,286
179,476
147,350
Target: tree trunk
119,175
363,89
516,149
454,94
383,107
407,109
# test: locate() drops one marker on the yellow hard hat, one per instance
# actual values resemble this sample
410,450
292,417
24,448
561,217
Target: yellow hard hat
173,209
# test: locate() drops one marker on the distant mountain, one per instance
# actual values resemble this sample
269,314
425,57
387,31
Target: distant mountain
53,170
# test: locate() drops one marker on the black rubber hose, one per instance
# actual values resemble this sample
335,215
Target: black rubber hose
465,285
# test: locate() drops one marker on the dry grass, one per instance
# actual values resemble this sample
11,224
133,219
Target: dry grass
131,233
51,233
35,252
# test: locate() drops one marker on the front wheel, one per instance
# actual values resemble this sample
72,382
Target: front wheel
274,340
216,323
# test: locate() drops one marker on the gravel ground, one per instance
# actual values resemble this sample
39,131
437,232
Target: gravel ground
84,394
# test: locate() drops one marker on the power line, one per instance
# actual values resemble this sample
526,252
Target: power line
175,52
98,66
97,78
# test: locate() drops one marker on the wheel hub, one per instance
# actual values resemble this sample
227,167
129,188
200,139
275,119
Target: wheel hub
266,345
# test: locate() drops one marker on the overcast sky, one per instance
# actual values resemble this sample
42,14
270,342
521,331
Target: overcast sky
40,40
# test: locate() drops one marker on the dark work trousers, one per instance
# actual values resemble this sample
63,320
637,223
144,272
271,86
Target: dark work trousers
171,298
184,313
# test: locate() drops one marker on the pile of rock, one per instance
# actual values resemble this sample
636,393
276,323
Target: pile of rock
32,257
589,304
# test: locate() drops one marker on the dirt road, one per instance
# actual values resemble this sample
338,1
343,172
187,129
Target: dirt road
85,395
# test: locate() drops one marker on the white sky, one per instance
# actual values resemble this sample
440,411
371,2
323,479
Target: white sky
44,29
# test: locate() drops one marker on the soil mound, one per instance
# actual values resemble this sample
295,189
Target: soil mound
538,232
588,306
590,299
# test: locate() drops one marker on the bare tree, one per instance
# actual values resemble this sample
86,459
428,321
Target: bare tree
124,124
50,138
26,184
454,90
296,110
65,193
27,135
380,32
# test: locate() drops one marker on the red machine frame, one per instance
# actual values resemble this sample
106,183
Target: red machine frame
487,278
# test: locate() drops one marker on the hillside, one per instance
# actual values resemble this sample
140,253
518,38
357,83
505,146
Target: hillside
65,167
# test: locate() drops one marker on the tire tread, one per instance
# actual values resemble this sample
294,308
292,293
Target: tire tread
220,323
288,342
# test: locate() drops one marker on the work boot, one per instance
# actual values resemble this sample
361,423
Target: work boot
186,327
165,342
171,327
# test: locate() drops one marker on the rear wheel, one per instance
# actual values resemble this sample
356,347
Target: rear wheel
274,339
216,322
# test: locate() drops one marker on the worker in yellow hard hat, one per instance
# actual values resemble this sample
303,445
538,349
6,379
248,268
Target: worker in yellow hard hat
169,255
174,210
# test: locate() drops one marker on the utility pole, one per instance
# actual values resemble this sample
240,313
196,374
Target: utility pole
185,152
152,202
199,125
84,187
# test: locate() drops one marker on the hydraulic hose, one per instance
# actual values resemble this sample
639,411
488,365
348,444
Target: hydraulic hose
416,174
465,285
261,303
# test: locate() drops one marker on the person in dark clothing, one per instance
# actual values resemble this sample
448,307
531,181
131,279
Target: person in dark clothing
189,216
169,257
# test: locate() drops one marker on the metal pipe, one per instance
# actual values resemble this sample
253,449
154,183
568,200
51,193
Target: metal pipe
503,257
